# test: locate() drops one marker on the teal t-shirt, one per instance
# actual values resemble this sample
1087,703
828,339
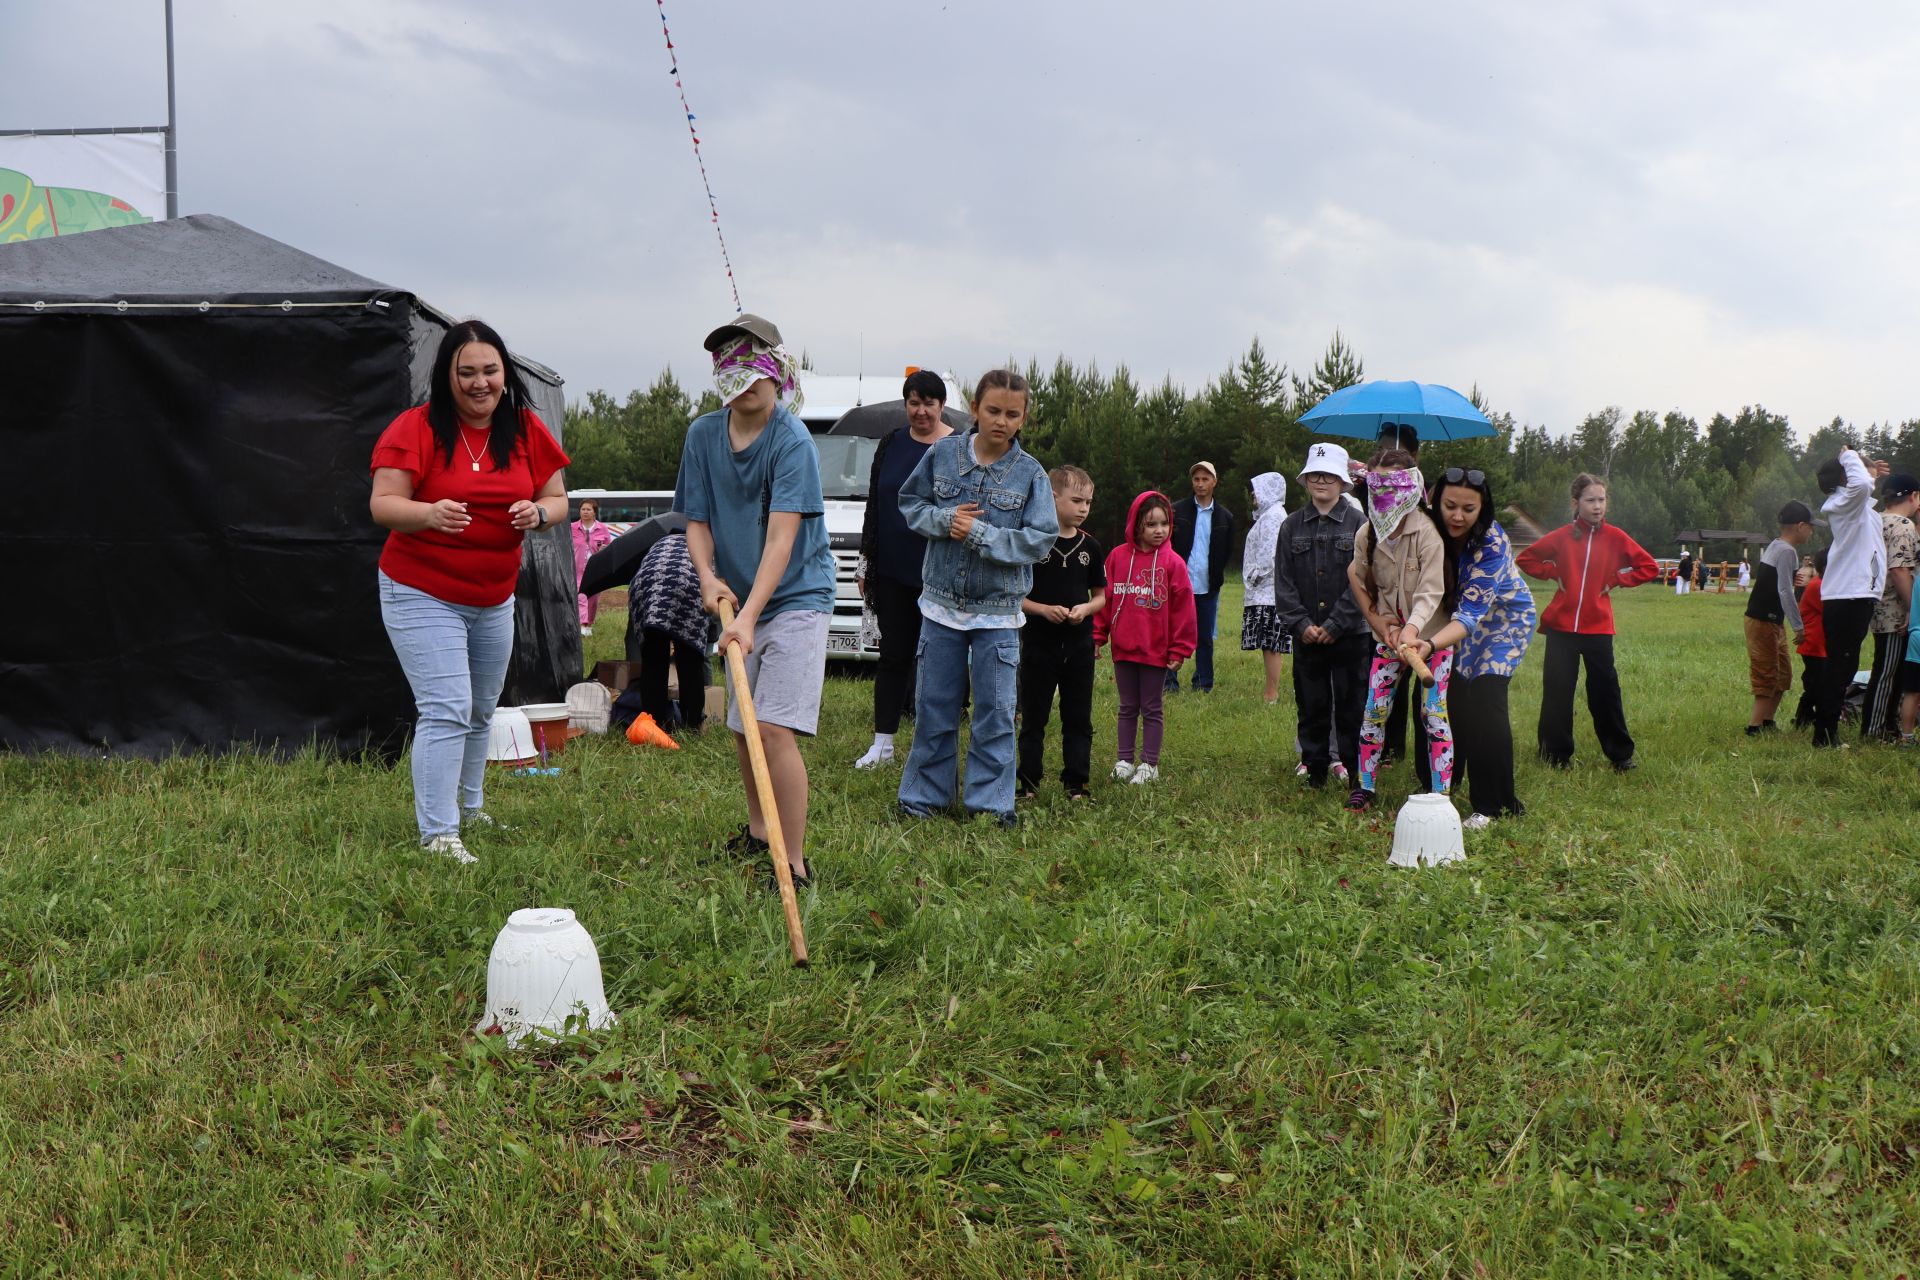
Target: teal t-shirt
733,493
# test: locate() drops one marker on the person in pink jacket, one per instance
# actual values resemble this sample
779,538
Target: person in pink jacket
1149,619
589,535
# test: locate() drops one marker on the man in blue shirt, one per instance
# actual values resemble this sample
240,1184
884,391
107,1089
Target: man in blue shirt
749,487
1203,537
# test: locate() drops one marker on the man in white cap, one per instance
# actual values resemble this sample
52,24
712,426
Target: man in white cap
1202,536
1313,603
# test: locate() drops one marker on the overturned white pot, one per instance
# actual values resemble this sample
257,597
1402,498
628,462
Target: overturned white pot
544,969
1427,833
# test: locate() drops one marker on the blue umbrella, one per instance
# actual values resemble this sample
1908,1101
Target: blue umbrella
1437,412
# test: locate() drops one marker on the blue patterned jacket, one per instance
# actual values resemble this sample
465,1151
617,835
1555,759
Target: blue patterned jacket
1495,607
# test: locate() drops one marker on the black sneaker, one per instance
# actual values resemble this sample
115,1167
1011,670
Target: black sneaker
744,844
1626,766
1079,793
1754,730
800,880
1360,801
1555,762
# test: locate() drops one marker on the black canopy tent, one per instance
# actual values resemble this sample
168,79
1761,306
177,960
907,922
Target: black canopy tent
188,416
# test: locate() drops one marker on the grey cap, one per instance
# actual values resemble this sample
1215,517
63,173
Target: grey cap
748,323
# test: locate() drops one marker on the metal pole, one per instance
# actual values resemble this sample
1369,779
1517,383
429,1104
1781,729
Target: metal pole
173,129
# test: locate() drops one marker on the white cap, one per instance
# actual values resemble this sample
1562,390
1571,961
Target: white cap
1328,459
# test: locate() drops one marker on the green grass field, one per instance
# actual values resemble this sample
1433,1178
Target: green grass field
1664,1025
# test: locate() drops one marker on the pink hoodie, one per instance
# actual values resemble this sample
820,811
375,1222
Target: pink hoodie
1148,616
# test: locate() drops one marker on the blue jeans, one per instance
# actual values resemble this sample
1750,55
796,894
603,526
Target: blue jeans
1206,617
931,777
455,657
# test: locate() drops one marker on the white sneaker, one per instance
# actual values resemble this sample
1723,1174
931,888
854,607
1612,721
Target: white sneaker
1476,822
481,818
876,756
1300,770
586,631
450,846
1339,771
1122,770
1144,774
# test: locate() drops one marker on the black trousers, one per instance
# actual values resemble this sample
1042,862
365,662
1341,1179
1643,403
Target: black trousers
1483,744
1056,657
1847,622
1565,651
896,607
1813,680
1330,693
658,650
1878,714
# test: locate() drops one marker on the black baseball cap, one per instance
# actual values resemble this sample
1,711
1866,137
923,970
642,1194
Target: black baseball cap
758,327
1898,486
1795,512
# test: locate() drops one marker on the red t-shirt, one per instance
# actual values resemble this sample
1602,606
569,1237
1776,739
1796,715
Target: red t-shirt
480,564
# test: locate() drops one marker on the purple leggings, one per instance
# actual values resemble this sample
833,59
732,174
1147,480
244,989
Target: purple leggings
1142,689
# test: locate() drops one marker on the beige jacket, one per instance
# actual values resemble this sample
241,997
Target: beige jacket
1409,573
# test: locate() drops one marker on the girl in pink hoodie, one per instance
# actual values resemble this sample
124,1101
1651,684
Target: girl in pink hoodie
1149,619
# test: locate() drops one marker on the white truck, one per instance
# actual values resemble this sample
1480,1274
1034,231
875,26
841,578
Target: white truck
846,464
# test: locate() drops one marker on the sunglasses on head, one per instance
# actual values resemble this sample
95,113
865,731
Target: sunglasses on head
1454,475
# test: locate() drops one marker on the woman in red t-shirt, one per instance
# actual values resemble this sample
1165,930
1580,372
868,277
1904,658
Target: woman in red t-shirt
460,480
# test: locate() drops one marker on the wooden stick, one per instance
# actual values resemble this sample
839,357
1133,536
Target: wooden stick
763,783
1410,654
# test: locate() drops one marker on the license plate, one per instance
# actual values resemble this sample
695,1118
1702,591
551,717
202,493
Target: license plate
843,642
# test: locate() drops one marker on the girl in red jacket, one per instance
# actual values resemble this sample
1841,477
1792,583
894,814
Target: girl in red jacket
1149,619
1588,558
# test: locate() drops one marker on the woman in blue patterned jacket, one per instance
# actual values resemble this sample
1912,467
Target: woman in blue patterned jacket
1493,620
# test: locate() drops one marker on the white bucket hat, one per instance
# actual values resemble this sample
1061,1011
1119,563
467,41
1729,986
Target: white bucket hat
1327,459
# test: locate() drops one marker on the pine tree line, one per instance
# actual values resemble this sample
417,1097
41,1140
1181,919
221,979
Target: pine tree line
1666,472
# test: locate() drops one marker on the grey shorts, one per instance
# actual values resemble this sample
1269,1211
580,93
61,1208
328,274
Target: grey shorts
785,671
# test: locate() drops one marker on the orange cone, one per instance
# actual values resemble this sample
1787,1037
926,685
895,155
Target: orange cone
643,732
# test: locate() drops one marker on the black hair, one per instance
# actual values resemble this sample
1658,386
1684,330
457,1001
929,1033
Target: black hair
1474,536
509,424
926,383
1831,475
1399,435
1820,562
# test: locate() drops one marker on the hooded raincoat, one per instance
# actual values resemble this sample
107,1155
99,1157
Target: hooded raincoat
1149,615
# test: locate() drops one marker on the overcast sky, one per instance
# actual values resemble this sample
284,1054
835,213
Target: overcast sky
1643,203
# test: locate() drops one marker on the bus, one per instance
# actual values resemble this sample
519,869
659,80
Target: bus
621,509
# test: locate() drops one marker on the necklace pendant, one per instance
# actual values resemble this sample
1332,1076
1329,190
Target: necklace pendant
476,466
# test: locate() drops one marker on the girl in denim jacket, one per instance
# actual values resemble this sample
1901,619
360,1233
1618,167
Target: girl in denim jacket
986,509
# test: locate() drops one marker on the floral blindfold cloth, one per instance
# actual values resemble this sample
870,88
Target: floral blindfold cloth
739,364
1390,495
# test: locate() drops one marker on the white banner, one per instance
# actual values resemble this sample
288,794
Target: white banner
56,184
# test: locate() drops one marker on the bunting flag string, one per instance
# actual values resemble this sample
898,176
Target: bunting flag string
693,131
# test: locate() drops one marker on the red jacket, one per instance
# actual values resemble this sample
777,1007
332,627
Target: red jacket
1587,565
1149,615
1813,621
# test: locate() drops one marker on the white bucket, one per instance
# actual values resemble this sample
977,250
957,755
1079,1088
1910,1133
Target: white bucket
510,737
543,970
1427,833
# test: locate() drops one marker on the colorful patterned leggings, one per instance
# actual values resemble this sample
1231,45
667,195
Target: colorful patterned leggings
1381,680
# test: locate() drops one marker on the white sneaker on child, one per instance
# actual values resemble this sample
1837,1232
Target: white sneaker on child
1300,770
1122,770
1339,771
451,847
877,755
1144,774
1476,822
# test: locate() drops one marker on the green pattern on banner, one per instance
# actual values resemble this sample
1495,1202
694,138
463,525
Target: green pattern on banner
29,212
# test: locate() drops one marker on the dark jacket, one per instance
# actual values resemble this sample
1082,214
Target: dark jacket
1220,546
1310,560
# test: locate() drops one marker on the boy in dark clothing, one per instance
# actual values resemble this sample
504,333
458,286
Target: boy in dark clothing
1771,609
1313,603
1056,644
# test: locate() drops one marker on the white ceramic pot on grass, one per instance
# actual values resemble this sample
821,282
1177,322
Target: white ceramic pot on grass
544,969
1427,833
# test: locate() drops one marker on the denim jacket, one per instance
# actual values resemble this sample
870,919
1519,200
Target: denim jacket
1310,571
991,569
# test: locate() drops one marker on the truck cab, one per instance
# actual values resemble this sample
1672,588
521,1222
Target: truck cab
846,464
